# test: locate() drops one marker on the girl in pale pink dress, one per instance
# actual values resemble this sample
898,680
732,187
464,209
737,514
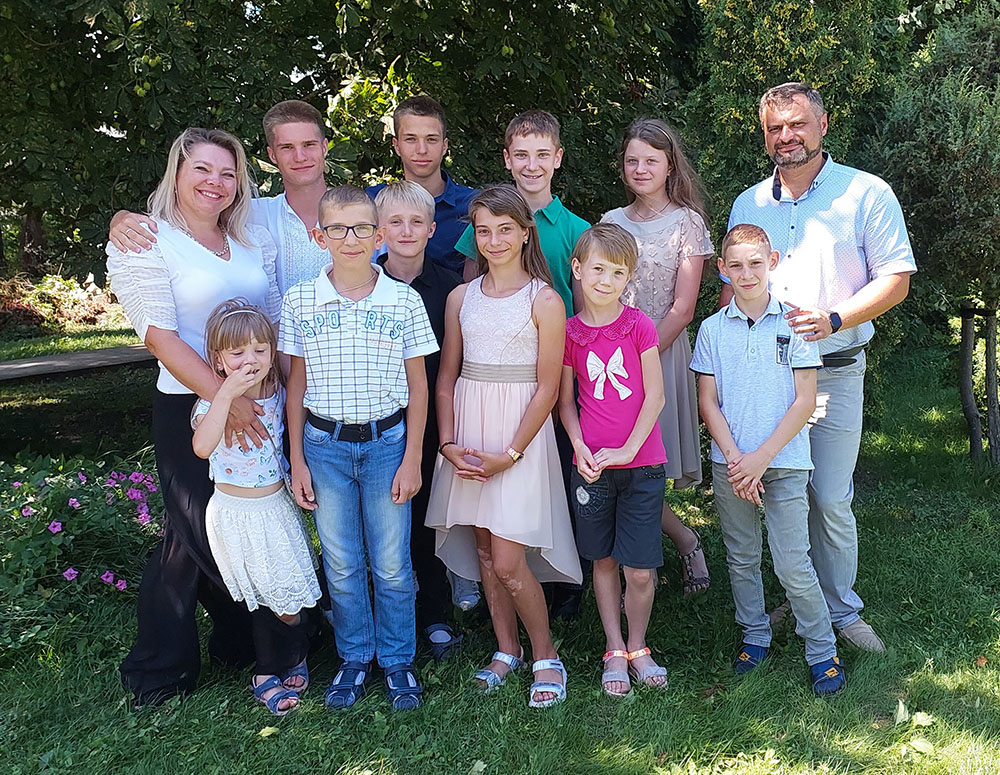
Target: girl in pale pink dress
501,518
666,215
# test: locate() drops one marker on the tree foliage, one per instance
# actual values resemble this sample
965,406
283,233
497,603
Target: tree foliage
95,91
843,49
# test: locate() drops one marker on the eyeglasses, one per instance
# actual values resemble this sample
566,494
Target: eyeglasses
339,231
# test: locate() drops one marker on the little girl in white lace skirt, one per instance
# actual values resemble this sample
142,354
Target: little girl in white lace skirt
254,528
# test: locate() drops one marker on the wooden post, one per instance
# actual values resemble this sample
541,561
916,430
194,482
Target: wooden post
992,398
969,408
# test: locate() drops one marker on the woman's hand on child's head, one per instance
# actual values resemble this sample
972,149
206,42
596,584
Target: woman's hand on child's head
302,489
406,483
243,424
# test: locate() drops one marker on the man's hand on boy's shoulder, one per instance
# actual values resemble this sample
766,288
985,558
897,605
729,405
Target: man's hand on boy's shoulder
812,324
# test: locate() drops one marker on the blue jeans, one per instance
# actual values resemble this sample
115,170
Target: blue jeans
354,513
786,509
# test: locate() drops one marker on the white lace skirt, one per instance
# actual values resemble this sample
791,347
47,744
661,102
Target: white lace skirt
262,551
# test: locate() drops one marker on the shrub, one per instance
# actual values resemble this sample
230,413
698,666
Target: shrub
55,304
70,530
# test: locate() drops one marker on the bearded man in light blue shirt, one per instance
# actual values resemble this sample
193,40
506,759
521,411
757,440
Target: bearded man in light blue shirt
845,260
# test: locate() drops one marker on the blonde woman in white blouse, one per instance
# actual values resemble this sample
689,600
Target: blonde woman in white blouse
205,253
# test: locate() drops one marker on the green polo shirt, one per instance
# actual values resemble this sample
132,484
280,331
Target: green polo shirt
558,231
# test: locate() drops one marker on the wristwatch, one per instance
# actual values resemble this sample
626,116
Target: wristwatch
514,454
835,322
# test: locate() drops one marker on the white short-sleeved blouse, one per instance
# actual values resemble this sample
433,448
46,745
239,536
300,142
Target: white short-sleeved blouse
177,283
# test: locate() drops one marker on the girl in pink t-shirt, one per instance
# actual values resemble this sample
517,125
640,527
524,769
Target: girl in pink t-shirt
617,487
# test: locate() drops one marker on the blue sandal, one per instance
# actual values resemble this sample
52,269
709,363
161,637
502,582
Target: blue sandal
299,671
348,686
828,677
404,688
272,703
748,657
442,651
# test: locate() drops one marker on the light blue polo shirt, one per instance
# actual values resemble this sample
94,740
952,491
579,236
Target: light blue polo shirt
558,231
844,231
752,362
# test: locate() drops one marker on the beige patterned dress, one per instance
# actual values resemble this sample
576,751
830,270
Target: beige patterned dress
664,243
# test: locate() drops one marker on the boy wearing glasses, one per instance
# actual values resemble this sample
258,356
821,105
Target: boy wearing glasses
357,406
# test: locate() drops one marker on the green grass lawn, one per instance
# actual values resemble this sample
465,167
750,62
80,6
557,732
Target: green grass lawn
52,344
930,572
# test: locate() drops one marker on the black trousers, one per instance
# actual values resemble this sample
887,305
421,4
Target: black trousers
165,659
434,593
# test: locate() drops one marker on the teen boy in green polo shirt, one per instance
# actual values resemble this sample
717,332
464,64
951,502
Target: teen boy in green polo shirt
532,153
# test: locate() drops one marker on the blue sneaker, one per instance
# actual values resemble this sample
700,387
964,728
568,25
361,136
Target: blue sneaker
748,658
828,677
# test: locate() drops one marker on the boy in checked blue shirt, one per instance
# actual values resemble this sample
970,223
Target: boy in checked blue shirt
357,341
756,390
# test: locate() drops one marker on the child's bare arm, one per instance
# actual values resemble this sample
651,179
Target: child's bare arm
652,405
753,464
570,418
406,482
210,426
715,421
295,393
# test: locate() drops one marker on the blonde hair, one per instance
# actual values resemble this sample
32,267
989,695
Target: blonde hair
683,186
292,112
162,202
506,200
614,244
343,196
404,193
232,324
745,234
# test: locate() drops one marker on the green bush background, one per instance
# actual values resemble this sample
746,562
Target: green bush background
95,91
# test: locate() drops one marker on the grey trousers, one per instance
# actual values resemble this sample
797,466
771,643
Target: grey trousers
786,510
835,438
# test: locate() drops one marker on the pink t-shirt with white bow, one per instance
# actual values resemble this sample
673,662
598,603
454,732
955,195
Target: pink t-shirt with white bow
608,367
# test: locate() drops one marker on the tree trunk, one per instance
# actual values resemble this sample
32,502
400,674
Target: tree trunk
32,248
992,398
969,408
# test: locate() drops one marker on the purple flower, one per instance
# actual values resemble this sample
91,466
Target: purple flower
109,498
150,486
136,476
73,503
55,527
142,509
70,573
81,477
120,584
135,495
110,482
17,484
144,519
27,511
118,477
108,577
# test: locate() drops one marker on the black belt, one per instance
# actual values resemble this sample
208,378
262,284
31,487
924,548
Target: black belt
355,433
842,357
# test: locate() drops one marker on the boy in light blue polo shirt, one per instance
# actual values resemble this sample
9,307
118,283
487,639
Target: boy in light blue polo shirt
756,390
